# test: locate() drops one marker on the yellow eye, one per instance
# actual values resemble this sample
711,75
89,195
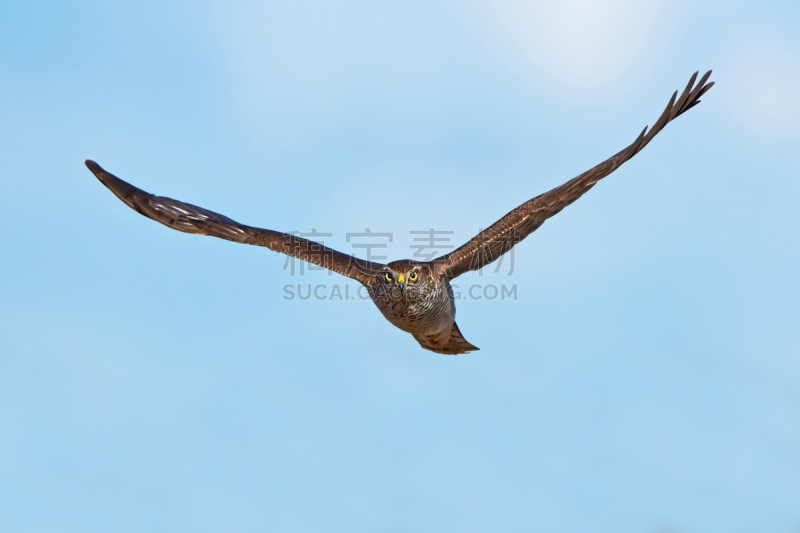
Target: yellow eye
388,276
413,276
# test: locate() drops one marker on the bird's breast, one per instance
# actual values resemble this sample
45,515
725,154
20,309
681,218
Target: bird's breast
424,315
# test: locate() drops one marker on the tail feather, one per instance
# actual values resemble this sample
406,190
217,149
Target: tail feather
448,342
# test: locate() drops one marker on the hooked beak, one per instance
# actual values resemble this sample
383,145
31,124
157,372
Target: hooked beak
401,282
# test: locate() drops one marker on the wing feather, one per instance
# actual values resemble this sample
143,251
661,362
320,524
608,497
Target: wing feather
501,236
190,218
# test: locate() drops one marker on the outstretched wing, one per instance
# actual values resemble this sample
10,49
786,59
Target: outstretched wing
501,236
189,218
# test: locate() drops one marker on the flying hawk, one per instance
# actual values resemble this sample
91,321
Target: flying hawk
414,296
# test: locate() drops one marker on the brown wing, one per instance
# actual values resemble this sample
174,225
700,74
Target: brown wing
499,238
189,218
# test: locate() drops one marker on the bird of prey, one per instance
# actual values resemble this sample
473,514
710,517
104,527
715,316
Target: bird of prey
415,296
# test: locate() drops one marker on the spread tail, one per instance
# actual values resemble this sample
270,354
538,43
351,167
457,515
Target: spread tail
448,342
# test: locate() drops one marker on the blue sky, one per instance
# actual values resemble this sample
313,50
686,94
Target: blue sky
644,379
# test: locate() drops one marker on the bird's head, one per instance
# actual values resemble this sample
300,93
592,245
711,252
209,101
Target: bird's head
405,279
